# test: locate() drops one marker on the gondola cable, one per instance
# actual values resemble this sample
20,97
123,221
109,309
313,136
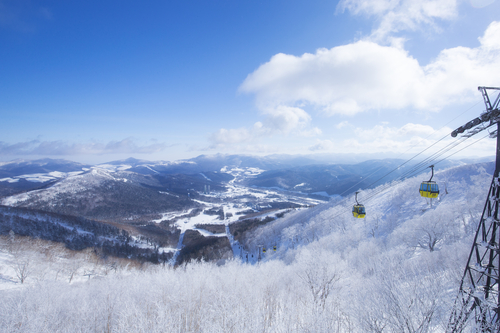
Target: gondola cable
369,197
409,150
418,167
434,157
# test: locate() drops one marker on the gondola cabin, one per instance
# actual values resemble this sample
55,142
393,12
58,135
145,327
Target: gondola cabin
274,248
429,189
358,211
264,250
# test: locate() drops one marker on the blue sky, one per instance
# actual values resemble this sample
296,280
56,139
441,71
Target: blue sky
94,81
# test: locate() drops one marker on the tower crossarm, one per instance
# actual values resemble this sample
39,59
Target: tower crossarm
487,102
488,118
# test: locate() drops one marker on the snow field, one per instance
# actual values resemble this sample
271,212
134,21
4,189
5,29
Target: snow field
318,292
41,177
26,262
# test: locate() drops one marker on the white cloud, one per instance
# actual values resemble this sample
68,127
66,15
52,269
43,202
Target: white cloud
386,139
366,76
315,131
285,118
368,7
62,148
241,148
481,3
405,132
279,120
412,138
224,136
345,79
374,74
342,124
382,138
415,145
401,15
491,38
323,145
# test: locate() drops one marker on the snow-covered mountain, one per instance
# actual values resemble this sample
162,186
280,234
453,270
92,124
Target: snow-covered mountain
397,270
301,173
160,207
152,203
24,175
103,194
392,209
78,233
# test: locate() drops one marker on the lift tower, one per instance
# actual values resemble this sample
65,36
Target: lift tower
478,295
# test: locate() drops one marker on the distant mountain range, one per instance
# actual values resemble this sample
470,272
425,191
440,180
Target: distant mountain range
132,187
297,173
339,179
160,201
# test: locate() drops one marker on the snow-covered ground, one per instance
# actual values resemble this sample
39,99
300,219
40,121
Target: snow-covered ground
71,184
25,262
57,175
235,200
389,207
112,167
41,177
330,273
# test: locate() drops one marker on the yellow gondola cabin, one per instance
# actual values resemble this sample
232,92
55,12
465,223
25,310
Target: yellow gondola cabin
429,189
358,210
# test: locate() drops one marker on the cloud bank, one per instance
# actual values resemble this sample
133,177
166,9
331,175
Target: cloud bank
383,138
62,148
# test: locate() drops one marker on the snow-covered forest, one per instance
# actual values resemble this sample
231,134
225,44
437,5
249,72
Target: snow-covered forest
397,270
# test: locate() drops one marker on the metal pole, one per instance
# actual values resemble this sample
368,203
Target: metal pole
479,289
497,163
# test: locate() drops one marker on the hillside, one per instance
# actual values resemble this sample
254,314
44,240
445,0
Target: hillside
397,270
105,195
78,233
390,207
